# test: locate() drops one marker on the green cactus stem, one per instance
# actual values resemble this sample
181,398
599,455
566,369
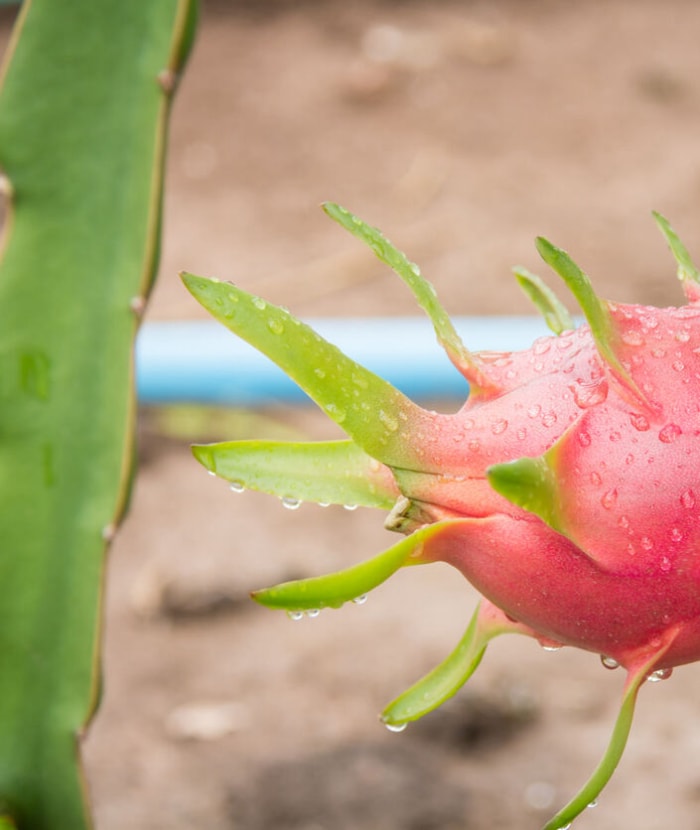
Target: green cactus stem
85,94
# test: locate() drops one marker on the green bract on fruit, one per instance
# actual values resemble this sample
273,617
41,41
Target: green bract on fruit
566,489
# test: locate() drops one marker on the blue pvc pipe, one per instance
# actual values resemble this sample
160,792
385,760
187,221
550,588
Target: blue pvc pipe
203,362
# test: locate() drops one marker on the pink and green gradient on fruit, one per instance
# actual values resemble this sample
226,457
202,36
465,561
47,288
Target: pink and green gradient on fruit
566,489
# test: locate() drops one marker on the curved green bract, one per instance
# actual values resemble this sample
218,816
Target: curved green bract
422,290
688,274
445,680
377,417
529,483
84,100
545,300
332,472
611,758
334,590
595,310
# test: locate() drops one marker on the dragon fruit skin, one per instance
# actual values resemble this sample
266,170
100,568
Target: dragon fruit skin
624,504
566,489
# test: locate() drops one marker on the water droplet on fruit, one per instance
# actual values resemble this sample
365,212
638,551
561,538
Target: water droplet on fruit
615,436
669,433
542,345
587,394
499,426
676,535
633,338
682,335
678,365
295,615
237,486
660,674
609,499
646,543
609,662
595,478
396,727
549,419
584,439
688,499
291,503
534,411
275,325
521,434
639,422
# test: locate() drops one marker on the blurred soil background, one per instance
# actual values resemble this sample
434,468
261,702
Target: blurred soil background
463,129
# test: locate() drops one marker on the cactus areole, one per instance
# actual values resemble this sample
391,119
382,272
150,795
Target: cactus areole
566,489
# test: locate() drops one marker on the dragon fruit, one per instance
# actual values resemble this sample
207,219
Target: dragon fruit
566,488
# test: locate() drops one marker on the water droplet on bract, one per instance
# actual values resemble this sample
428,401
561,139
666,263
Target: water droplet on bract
688,499
534,411
396,727
350,507
592,804
639,422
237,486
259,303
361,600
659,674
320,374
550,646
275,325
609,662
609,499
211,472
388,420
335,412
499,426
291,503
324,504
109,531
313,612
669,433
295,615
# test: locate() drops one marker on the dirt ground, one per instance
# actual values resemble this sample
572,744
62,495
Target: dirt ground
463,129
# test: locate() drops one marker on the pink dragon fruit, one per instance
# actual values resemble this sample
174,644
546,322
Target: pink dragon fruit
566,489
